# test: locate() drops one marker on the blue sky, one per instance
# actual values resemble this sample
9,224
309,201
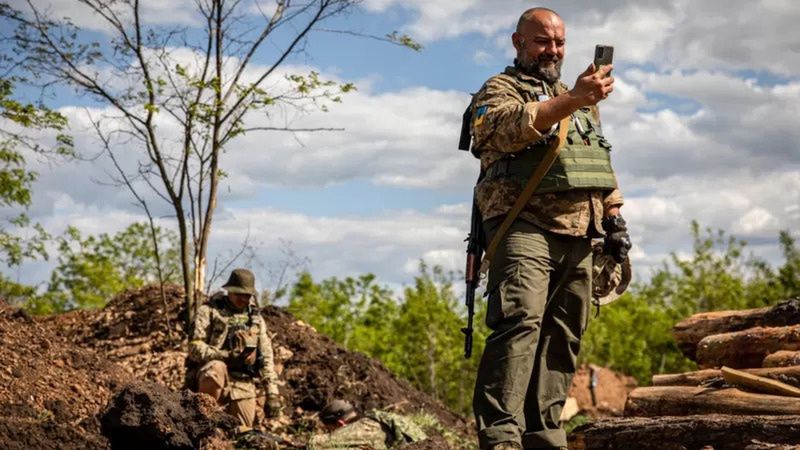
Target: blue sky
703,122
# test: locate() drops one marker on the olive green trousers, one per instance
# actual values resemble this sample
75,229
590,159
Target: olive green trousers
539,292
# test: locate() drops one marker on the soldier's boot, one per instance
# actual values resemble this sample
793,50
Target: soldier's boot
506,446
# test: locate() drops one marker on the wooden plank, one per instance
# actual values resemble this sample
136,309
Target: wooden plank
757,383
682,400
789,375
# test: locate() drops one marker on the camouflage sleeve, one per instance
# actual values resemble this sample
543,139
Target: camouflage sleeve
501,120
199,349
268,376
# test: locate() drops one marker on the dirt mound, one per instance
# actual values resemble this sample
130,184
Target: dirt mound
146,336
316,369
137,329
50,389
611,390
148,415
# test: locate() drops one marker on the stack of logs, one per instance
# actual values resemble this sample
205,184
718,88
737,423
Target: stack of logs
747,395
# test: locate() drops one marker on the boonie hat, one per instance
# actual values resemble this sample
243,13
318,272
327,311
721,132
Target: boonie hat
241,281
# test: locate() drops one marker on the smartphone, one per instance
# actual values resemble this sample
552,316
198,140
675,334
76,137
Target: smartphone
603,55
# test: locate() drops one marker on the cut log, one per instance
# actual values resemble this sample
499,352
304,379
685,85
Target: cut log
755,383
789,375
720,432
748,348
681,400
689,332
782,358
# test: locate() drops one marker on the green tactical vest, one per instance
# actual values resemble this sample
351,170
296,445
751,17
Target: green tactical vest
583,163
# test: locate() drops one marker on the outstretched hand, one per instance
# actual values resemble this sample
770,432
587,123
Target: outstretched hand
592,85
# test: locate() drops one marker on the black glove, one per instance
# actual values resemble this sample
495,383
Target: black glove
617,242
273,407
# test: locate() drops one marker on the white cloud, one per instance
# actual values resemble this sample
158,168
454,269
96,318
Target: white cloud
711,145
731,35
174,12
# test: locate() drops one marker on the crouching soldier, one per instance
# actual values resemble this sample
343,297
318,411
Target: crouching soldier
231,351
377,430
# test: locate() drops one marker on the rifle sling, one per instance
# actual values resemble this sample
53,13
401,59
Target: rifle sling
527,192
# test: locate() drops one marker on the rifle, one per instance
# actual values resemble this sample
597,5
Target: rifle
472,273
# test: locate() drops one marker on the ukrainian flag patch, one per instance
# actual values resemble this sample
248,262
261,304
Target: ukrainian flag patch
480,113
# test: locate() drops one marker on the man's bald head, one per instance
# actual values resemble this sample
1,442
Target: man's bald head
539,41
536,15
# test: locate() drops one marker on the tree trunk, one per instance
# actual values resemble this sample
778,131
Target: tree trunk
782,358
681,400
689,332
720,432
789,375
748,348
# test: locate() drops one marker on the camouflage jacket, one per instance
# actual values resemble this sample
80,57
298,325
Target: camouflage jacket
504,111
378,430
209,337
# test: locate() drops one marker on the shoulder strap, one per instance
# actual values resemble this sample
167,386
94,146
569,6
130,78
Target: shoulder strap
530,188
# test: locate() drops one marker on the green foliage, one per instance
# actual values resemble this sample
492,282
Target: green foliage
415,336
15,293
633,335
404,40
93,269
431,425
20,121
577,421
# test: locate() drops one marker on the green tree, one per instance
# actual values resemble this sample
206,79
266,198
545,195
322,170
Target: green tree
215,83
93,269
416,336
428,342
24,128
348,311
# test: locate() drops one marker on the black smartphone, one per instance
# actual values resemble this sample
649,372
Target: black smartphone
603,55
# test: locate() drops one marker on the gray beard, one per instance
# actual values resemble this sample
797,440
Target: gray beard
550,74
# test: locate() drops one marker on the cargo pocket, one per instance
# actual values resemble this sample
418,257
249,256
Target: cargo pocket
498,307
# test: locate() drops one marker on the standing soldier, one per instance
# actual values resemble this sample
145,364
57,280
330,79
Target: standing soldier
231,346
539,279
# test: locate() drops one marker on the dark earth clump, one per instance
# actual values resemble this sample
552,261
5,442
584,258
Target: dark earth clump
148,415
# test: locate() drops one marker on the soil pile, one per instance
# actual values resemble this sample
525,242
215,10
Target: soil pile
138,329
145,336
600,391
148,415
50,389
315,370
